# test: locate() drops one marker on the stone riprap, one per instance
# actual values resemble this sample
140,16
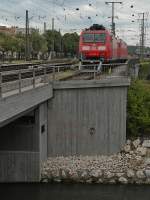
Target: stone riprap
131,165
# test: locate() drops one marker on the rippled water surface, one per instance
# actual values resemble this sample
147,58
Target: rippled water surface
73,192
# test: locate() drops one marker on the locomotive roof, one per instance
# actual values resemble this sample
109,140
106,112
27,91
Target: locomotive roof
96,27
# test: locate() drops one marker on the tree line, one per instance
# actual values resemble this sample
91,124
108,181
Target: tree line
40,45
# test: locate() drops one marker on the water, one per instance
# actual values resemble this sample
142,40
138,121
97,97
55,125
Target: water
73,192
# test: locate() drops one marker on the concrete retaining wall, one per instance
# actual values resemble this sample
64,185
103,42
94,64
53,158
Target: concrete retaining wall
87,117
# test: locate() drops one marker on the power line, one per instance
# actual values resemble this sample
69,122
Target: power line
113,13
142,33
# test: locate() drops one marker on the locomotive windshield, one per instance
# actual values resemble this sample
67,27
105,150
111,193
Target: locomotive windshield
97,37
88,37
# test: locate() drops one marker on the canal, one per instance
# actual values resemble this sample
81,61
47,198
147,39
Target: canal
73,192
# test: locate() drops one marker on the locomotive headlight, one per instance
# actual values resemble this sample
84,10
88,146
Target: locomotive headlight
85,48
102,48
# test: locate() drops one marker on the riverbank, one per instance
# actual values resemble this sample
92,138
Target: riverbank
130,166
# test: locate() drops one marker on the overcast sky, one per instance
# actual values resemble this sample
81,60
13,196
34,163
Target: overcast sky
75,15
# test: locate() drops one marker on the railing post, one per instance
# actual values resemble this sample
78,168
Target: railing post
45,77
19,81
94,72
0,85
53,73
58,69
33,78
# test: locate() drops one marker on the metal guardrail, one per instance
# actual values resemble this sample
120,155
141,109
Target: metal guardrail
35,77
22,83
104,70
26,79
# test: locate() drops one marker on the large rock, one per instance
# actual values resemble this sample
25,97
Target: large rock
140,174
95,173
138,159
127,148
57,180
64,174
89,180
136,143
84,174
128,142
123,180
141,151
139,181
74,176
100,180
109,175
147,173
130,173
55,173
146,143
112,181
119,174
147,161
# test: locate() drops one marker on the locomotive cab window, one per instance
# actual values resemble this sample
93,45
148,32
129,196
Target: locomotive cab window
88,37
97,37
101,37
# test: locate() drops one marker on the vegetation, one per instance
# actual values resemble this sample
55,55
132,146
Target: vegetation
71,43
133,50
13,46
138,115
144,72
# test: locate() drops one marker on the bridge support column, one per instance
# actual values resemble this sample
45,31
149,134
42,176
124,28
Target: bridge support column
23,147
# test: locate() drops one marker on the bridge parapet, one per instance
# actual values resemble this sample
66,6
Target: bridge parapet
16,105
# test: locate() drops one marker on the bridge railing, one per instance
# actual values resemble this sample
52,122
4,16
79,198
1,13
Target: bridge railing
15,82
18,81
104,70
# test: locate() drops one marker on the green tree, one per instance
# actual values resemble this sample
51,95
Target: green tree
53,38
71,43
39,43
138,109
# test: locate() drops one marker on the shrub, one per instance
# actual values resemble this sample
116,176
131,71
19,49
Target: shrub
144,71
138,108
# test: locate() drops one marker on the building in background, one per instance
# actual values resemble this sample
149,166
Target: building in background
8,30
23,30
16,30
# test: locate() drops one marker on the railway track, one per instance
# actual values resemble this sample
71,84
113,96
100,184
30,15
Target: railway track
12,67
36,70
91,71
86,72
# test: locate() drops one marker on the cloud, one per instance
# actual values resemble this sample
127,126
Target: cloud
68,18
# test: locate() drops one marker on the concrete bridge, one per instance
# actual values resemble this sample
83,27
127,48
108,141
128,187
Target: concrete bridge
60,119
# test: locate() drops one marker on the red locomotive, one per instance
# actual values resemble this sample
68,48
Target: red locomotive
98,44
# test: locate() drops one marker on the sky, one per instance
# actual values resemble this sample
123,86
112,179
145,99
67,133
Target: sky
75,15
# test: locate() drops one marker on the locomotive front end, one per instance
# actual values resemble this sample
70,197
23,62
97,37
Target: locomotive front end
93,45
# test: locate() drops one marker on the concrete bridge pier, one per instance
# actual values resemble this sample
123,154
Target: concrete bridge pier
23,146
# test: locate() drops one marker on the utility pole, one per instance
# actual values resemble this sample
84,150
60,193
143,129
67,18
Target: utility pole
53,23
27,48
113,14
44,27
53,41
142,33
